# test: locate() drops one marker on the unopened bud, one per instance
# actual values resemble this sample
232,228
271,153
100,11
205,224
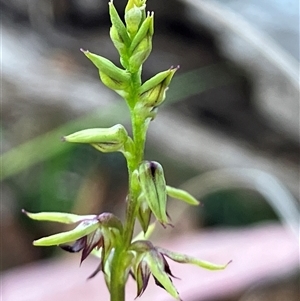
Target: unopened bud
153,187
140,54
141,44
104,139
132,3
153,91
133,19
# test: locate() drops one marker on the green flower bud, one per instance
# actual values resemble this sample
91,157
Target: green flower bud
112,76
146,28
153,91
133,19
181,195
104,139
140,54
153,185
137,3
141,44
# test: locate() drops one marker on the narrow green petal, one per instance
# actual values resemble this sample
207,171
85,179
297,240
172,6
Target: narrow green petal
182,258
60,217
81,230
181,195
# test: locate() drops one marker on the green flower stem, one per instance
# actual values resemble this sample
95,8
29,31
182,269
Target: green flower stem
117,283
139,136
139,131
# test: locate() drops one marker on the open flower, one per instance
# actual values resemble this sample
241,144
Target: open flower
92,232
150,260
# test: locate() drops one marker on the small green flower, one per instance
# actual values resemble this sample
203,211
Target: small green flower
153,91
119,35
105,140
92,232
112,76
151,262
153,187
133,19
141,45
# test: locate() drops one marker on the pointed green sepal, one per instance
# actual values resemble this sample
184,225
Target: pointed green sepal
112,76
182,258
59,217
118,24
182,195
153,185
81,230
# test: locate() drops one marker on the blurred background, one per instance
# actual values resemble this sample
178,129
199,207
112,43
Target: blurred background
228,133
